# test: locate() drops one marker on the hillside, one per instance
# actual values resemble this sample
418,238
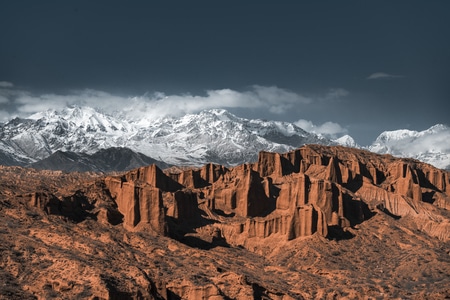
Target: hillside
300,225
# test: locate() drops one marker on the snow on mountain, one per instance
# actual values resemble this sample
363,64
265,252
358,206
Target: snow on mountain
347,141
431,145
213,135
71,129
218,136
209,136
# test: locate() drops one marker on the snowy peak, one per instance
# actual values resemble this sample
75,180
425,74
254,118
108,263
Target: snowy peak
430,145
396,135
347,141
405,134
213,135
218,114
82,118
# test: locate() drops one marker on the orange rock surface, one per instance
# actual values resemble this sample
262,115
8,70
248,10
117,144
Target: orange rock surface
298,225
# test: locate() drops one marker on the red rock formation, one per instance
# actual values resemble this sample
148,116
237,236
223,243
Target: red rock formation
140,204
269,164
153,176
293,194
306,221
185,206
47,202
280,207
211,172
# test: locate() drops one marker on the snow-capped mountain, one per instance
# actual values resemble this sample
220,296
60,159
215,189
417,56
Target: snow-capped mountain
71,129
347,141
210,136
431,145
194,139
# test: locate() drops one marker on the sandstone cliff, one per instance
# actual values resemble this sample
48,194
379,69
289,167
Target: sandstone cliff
299,225
309,190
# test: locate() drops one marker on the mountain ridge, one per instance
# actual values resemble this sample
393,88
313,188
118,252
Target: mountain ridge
210,136
429,145
113,159
213,135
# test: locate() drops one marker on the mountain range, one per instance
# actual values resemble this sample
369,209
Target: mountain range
104,160
76,138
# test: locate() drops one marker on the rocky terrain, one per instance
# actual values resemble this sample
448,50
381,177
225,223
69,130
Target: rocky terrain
105,160
319,222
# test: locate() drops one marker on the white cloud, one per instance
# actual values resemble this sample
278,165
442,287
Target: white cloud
6,84
328,129
334,94
274,99
156,105
382,75
4,116
3,99
28,104
277,100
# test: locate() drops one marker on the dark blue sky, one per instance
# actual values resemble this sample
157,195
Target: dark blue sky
322,50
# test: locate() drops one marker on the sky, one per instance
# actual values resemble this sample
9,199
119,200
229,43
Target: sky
333,67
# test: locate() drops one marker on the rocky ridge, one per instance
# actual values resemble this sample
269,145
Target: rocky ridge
295,194
113,159
210,136
289,226
213,135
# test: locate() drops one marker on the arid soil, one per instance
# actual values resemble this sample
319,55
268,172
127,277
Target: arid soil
316,223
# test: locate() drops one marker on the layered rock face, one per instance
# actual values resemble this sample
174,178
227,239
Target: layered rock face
299,225
312,189
139,198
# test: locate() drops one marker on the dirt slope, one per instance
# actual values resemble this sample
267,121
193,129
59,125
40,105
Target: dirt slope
316,223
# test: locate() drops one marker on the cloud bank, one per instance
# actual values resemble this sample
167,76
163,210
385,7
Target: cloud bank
327,129
382,75
430,145
16,102
272,99
6,84
335,94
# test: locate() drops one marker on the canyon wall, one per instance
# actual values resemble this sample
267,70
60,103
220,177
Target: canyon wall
295,194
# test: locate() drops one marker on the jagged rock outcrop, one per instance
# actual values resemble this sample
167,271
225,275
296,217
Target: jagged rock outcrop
284,227
76,207
293,194
140,203
184,207
47,202
241,192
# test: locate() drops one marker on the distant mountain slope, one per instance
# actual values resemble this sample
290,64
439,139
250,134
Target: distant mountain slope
209,136
347,141
213,135
105,160
431,145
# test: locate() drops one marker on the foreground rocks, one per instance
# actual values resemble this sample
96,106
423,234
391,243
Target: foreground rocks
317,222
